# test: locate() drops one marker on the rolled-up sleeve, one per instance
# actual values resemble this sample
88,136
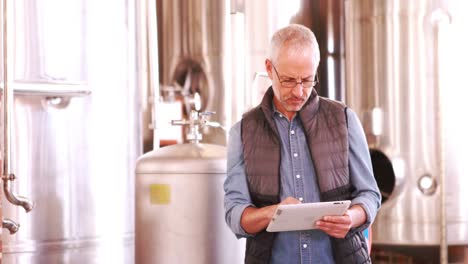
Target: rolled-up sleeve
236,192
362,178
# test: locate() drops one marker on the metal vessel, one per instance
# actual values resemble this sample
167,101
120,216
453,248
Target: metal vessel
179,204
75,130
218,49
194,57
403,79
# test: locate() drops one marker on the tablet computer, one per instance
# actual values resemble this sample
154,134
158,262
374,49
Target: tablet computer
290,217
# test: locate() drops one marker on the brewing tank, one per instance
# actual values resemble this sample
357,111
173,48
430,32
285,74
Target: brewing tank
179,206
74,130
402,80
194,58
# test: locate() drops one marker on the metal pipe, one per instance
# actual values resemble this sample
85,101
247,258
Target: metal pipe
11,225
49,90
152,64
148,70
22,201
7,104
439,19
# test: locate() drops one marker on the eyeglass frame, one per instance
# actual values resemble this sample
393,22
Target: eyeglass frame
314,82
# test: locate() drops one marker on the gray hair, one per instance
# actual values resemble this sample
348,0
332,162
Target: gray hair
296,37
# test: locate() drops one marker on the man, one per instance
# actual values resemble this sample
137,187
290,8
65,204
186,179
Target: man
299,147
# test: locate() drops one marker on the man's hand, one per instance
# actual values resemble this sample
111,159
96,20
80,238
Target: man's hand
289,200
339,226
254,220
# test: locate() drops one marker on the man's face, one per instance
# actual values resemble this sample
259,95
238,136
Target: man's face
290,67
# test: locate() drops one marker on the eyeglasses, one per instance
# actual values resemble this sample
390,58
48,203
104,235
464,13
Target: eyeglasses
291,83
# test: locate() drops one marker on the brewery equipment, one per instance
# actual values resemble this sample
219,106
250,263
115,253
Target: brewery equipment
403,81
75,130
179,203
194,57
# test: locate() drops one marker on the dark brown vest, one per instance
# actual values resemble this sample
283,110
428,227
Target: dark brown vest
325,125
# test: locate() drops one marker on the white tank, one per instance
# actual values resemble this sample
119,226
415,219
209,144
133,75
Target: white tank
179,206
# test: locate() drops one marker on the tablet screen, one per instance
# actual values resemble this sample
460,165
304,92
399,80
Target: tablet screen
290,217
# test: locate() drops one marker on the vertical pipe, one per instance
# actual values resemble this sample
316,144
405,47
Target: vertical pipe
141,80
440,128
439,19
148,74
8,176
153,69
7,99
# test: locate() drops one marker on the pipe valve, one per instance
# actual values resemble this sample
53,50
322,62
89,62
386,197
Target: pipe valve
197,121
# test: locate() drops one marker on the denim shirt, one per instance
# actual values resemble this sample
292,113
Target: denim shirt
298,179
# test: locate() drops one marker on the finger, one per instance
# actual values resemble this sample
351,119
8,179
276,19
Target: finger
290,200
338,230
333,229
330,225
337,219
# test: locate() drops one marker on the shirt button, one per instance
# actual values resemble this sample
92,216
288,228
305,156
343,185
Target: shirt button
301,199
295,155
298,176
304,246
292,132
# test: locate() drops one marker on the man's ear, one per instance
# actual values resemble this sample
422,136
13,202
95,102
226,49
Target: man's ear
269,68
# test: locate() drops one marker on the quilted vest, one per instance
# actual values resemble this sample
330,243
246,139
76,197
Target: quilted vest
325,125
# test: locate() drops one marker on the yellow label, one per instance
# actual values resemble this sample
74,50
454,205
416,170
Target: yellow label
160,193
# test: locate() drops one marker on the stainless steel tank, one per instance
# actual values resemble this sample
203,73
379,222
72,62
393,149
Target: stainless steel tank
75,130
194,57
179,206
405,81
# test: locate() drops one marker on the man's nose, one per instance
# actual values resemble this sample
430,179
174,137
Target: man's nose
297,90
